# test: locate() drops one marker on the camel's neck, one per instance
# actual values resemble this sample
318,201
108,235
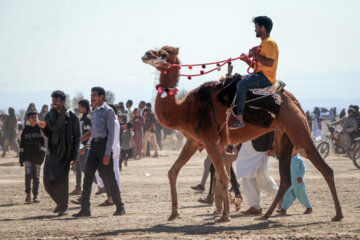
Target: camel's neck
168,109
170,79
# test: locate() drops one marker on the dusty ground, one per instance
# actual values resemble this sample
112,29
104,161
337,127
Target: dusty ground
147,200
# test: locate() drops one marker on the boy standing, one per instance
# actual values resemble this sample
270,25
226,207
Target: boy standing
127,144
32,153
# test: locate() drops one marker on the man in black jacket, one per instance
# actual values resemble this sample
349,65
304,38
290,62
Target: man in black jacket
32,153
62,128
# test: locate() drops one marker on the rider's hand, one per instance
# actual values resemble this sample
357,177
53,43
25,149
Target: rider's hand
299,180
243,57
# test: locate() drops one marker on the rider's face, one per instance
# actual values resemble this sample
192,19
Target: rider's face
258,30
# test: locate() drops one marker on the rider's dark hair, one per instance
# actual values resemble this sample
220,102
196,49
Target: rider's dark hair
264,21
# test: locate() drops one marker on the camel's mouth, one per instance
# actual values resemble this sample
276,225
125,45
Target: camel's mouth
153,58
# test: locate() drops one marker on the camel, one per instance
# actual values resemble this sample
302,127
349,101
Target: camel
228,158
290,126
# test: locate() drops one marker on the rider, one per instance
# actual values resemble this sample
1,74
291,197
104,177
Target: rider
264,69
348,125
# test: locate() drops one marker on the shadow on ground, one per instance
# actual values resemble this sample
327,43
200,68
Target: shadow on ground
208,228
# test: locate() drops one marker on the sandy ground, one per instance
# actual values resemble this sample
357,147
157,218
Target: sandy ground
147,199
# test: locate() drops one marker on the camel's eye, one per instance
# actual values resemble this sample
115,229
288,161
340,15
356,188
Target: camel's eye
163,55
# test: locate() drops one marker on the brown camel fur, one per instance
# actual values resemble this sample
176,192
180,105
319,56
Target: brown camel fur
219,201
290,125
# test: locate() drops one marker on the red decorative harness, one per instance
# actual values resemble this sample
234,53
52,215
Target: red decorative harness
166,91
173,91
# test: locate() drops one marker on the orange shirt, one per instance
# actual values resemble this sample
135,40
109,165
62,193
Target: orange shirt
269,49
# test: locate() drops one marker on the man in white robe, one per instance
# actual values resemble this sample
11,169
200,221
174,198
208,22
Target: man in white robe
252,168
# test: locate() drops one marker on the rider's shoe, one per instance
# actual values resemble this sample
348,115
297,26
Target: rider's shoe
237,124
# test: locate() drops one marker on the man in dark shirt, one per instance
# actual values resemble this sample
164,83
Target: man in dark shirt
62,129
85,126
149,129
100,155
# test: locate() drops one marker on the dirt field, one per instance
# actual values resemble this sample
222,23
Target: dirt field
147,201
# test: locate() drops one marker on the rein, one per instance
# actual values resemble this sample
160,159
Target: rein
219,64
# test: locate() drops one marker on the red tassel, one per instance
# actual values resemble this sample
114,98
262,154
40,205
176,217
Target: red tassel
189,77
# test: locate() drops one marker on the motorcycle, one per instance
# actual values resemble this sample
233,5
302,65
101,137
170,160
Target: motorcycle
332,142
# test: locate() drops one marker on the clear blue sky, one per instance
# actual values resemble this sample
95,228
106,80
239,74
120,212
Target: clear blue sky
76,44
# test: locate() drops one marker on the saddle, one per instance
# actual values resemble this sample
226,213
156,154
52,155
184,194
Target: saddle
262,104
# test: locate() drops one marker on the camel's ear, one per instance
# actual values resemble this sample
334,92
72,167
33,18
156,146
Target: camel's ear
176,51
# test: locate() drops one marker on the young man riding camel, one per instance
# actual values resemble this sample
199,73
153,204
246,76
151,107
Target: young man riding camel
265,65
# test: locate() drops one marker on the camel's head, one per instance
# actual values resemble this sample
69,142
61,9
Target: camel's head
161,59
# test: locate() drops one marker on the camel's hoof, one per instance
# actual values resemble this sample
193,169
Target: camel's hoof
337,218
173,217
224,219
262,218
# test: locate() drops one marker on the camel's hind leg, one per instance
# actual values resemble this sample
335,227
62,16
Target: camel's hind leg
283,148
215,155
296,127
187,152
314,156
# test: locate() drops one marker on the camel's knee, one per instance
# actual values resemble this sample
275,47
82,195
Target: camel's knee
171,174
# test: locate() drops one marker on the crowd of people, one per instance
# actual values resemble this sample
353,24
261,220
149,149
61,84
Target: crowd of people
96,140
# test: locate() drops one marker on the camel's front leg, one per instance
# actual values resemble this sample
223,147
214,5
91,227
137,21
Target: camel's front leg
187,152
216,157
283,148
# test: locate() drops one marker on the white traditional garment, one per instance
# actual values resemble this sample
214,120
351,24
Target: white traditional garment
252,167
249,160
116,156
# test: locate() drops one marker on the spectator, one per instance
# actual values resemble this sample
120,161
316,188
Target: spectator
348,125
149,128
32,153
62,129
138,126
43,112
317,124
10,133
31,108
128,144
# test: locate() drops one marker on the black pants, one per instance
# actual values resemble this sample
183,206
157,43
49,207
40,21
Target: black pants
233,180
32,172
125,154
80,168
58,189
95,162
